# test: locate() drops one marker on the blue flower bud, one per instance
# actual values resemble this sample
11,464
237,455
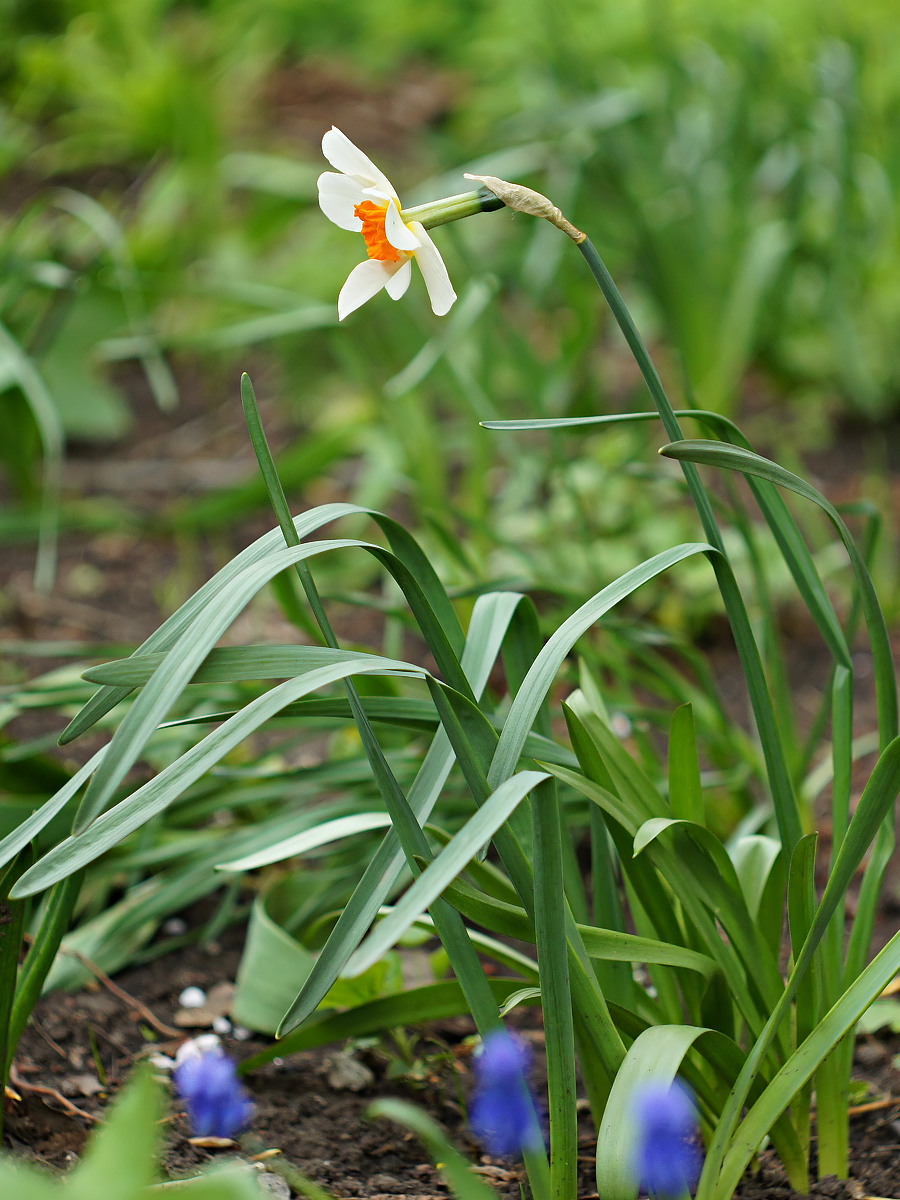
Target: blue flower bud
217,1104
667,1158
502,1113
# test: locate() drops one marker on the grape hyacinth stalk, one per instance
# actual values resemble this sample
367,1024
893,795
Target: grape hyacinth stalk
667,1158
503,1115
217,1104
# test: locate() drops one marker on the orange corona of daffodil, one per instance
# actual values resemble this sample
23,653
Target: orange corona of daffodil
363,200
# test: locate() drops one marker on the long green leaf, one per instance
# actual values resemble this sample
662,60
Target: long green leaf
876,801
685,789
230,664
802,1063
478,830
320,835
539,680
173,627
455,1169
658,1055
488,626
602,945
433,1002
32,825
735,458
155,795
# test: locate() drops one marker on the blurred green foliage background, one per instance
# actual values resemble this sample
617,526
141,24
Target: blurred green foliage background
735,163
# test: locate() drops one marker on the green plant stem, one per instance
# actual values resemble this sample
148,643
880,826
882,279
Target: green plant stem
556,999
53,927
784,797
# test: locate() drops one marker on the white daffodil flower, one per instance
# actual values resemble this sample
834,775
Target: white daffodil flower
363,200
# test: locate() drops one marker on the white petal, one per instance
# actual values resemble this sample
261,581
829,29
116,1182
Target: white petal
341,153
399,282
364,282
338,197
437,281
399,235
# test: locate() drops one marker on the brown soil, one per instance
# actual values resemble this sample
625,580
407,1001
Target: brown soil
82,1046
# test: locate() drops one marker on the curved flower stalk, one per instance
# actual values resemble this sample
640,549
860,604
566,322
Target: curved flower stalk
363,200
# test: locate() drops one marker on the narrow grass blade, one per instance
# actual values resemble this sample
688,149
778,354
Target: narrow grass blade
480,828
433,1002
155,795
319,835
876,801
173,627
231,664
685,789
487,629
734,458
28,830
602,945
539,680
802,1063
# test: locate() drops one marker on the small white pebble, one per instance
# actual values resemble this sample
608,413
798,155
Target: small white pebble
162,1062
175,926
620,724
274,1185
241,1033
197,1047
192,997
221,1025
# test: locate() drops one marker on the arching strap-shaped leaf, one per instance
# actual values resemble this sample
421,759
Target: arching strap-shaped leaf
539,680
32,825
319,835
801,1065
603,945
735,458
227,664
708,869
877,800
463,847
658,1055
402,543
208,625
174,626
155,795
784,528
699,903
433,1002
490,621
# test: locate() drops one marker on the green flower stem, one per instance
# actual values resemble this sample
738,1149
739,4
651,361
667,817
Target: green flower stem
453,208
556,999
784,797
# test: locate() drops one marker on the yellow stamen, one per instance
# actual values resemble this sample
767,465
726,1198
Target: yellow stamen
372,217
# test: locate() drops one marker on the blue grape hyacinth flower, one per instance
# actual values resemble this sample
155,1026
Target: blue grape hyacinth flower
502,1113
667,1158
217,1105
